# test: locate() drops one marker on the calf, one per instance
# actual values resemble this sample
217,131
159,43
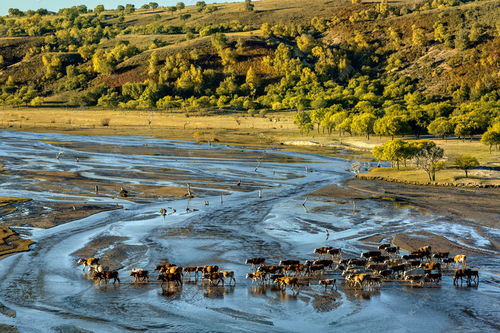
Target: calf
328,282
88,262
140,275
106,276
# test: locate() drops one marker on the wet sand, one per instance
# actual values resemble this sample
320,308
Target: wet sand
470,206
479,205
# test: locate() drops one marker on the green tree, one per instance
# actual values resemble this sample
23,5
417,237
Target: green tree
392,150
389,125
428,157
306,43
492,136
129,8
99,9
102,62
153,5
418,36
303,120
441,127
363,124
200,5
252,80
466,162
180,6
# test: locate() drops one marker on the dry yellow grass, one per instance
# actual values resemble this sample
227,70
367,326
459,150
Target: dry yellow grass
447,177
11,243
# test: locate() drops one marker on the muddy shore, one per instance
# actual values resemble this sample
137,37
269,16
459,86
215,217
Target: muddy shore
469,206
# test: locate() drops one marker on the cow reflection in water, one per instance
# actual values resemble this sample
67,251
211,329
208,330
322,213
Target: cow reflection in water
215,292
353,294
172,292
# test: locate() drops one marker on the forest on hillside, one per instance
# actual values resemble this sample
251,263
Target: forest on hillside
389,69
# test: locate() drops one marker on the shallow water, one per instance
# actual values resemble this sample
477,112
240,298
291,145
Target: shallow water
49,293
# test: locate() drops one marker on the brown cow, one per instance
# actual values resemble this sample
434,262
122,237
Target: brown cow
465,273
371,254
359,279
272,269
310,270
256,276
170,277
289,262
325,262
441,255
433,277
296,269
208,269
328,282
88,262
216,276
285,281
140,275
191,269
334,252
430,266
384,246
228,275
106,276
322,250
255,261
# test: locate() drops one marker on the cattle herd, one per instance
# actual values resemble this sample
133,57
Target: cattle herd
370,270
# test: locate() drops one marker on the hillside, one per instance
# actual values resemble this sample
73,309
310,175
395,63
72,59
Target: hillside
420,60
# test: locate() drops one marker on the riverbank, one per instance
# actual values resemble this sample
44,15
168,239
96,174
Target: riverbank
467,206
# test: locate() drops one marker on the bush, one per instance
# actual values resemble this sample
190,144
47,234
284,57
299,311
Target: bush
105,122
